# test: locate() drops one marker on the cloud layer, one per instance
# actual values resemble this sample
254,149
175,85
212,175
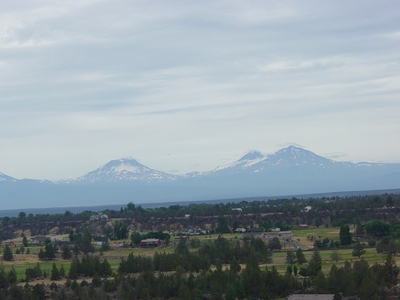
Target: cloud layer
186,86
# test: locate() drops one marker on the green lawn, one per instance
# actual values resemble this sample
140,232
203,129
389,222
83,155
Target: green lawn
279,258
331,233
44,266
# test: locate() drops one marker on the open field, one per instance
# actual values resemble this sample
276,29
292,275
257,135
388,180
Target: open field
279,258
23,261
331,233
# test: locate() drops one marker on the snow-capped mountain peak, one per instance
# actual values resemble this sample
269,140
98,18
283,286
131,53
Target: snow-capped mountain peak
123,165
246,161
124,169
295,156
4,177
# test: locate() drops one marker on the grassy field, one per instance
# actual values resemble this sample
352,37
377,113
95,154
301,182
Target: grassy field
279,258
331,233
24,261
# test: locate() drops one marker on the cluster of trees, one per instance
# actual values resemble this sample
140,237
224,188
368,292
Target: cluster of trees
218,251
326,211
7,254
368,282
36,272
251,281
89,266
83,241
222,250
49,251
140,277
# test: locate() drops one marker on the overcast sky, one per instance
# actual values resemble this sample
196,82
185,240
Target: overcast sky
190,85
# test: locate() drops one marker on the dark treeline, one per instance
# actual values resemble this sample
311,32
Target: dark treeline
219,251
235,274
282,213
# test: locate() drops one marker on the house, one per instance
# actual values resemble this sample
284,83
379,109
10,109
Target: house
99,216
285,234
40,239
302,226
307,208
8,243
148,243
237,209
311,297
240,229
254,230
249,235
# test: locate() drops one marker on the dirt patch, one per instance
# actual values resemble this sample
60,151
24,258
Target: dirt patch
21,259
304,242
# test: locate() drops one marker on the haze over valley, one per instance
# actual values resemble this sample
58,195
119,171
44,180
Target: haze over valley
289,171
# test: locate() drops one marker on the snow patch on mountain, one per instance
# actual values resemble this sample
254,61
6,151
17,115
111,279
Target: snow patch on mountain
4,177
249,159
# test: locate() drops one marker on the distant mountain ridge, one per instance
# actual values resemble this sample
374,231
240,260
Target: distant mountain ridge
289,171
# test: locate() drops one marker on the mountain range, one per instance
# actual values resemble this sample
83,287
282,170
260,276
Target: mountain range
289,171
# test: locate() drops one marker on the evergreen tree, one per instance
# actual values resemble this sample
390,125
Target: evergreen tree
105,268
222,225
16,292
301,259
55,274
345,235
251,278
315,263
85,243
290,258
39,292
239,290
320,285
12,276
62,271
48,253
66,252
230,293
235,266
74,269
7,255
184,292
274,244
181,248
25,241
3,280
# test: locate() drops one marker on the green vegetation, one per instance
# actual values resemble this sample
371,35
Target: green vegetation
346,258
7,255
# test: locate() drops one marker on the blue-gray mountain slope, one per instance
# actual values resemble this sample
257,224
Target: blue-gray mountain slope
289,171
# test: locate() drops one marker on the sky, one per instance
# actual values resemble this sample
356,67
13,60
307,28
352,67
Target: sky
187,86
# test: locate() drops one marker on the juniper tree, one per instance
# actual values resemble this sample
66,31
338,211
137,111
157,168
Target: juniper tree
7,255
